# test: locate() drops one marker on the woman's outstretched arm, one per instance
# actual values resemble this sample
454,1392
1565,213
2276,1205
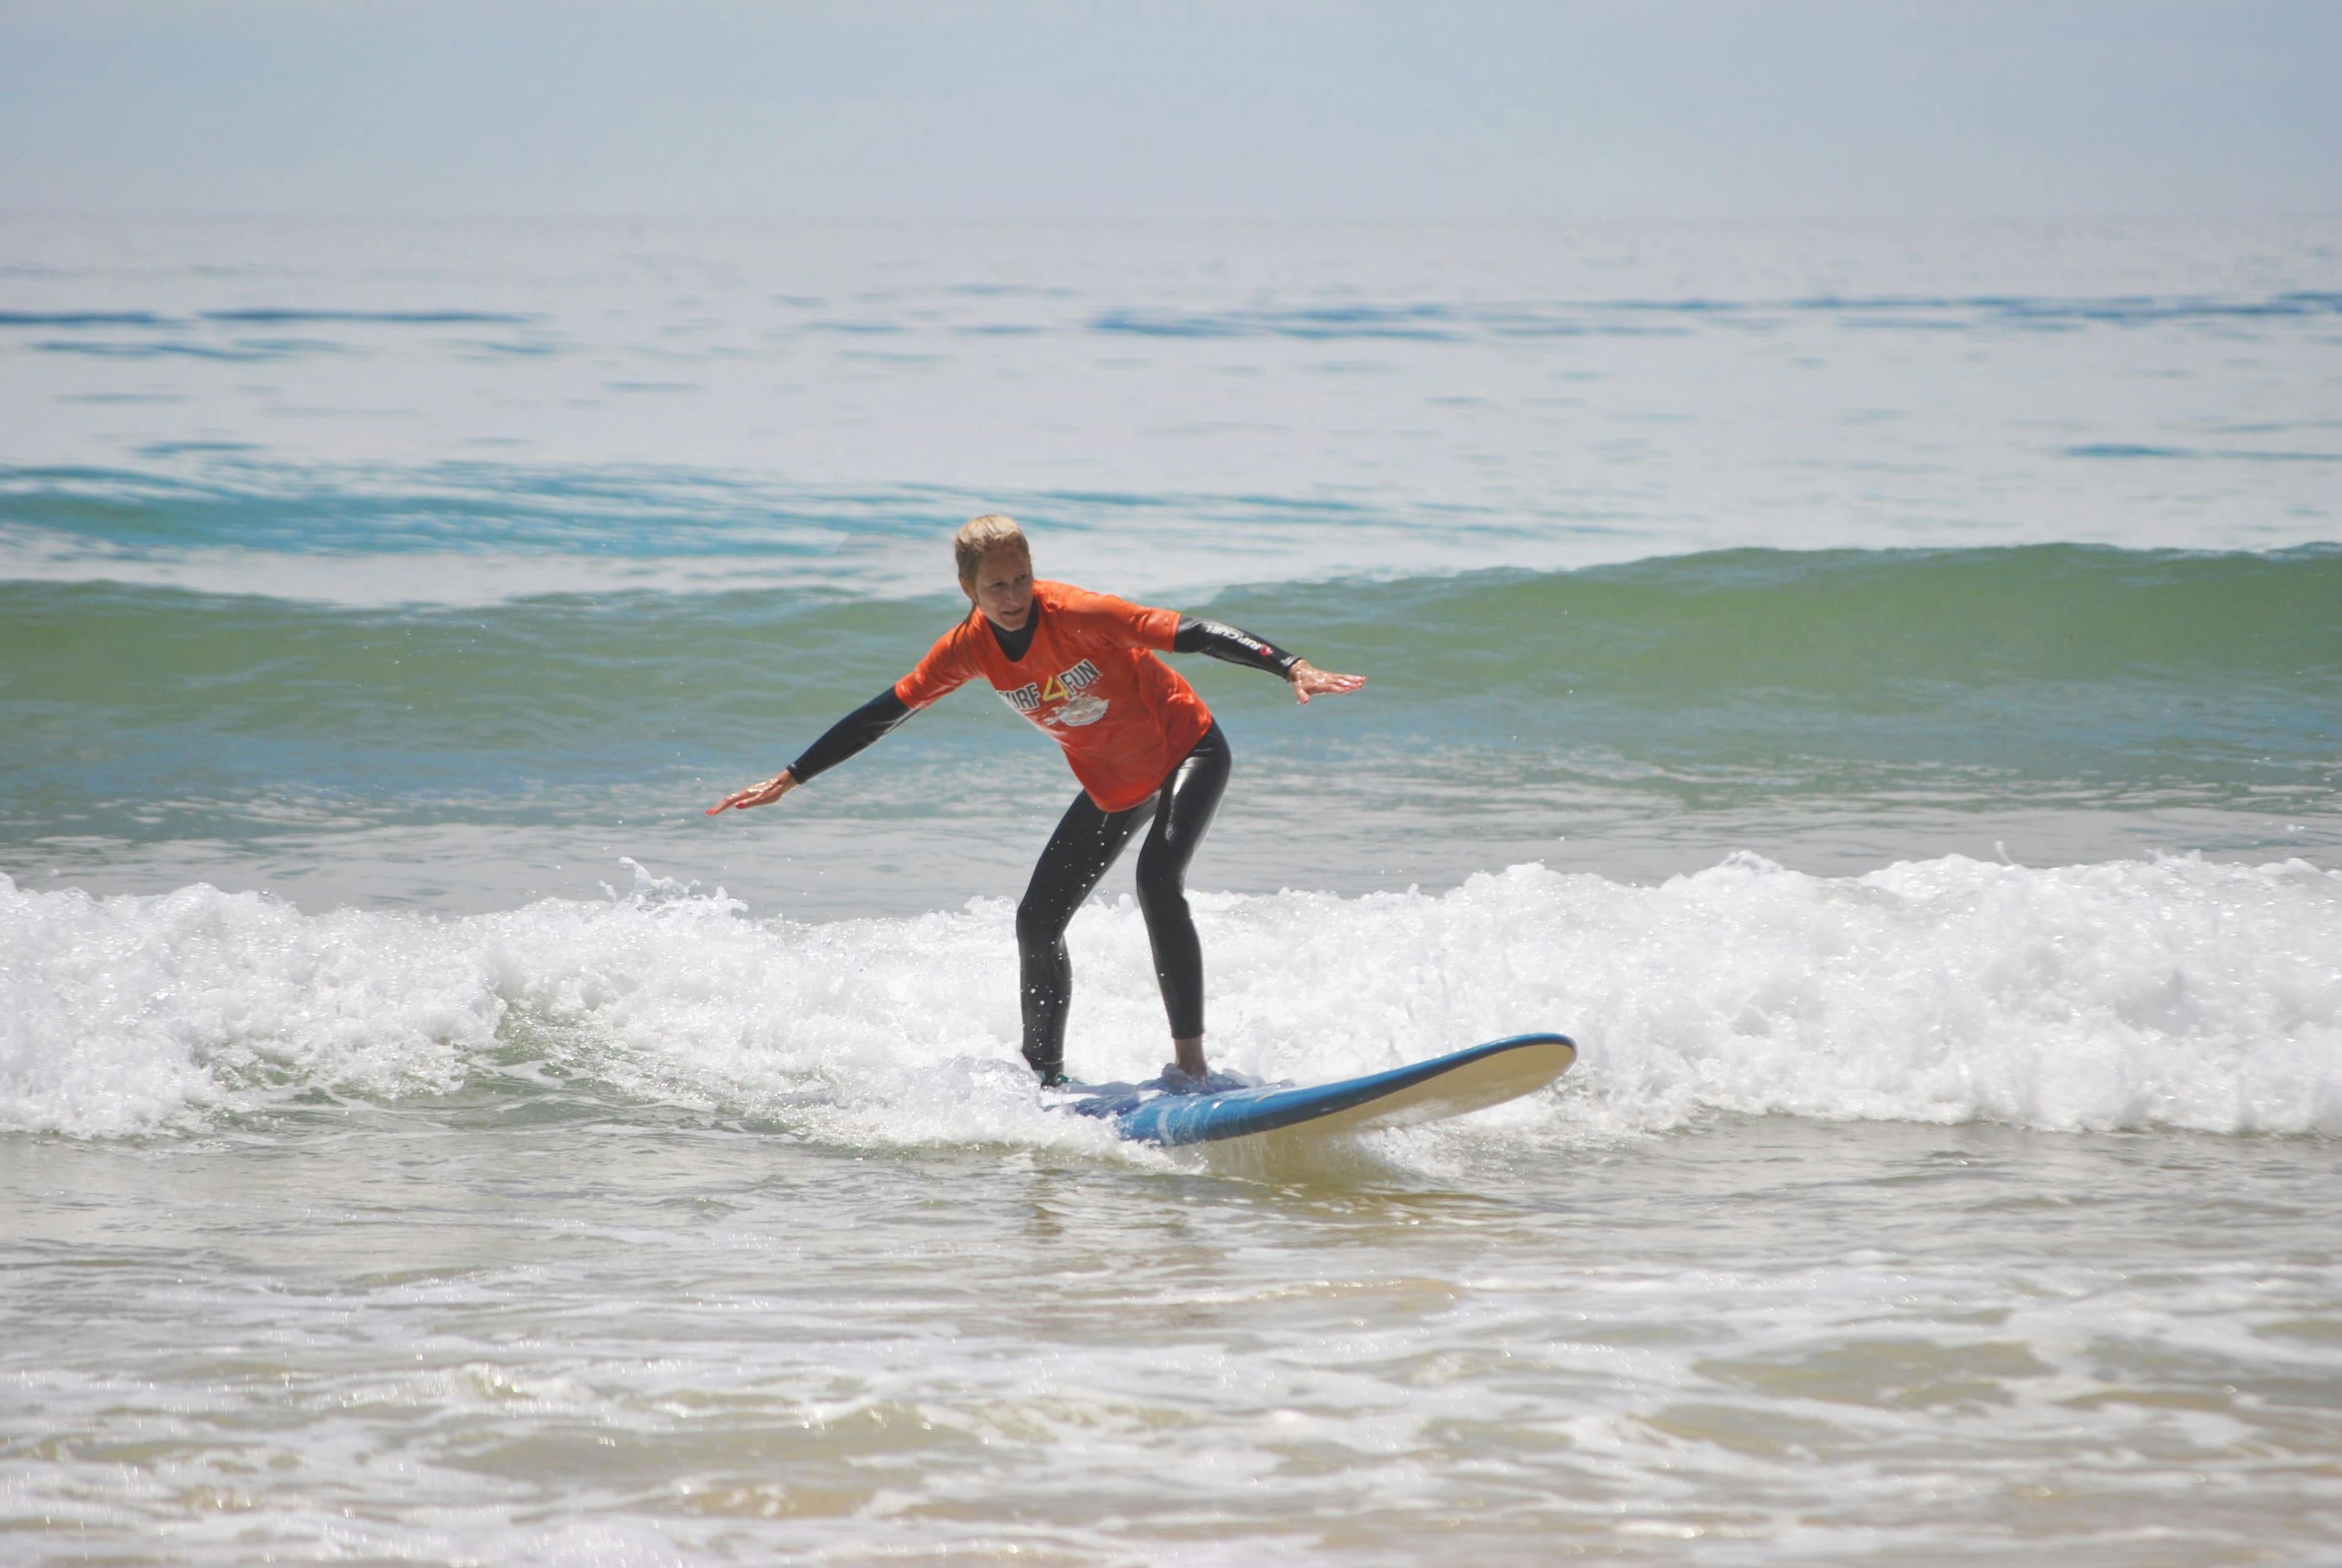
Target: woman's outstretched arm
857,730
1217,640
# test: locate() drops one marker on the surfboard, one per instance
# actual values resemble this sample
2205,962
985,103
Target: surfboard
1449,1086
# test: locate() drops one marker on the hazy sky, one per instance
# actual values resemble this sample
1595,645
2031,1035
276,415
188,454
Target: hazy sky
1124,108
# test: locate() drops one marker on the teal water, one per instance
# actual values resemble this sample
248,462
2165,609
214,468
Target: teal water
2064,703
1879,689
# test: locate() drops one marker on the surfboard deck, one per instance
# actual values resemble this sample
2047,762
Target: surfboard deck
1449,1086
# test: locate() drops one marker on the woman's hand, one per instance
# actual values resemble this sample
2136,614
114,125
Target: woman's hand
1309,680
764,794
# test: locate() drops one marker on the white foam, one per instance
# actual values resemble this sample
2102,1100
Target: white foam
2129,994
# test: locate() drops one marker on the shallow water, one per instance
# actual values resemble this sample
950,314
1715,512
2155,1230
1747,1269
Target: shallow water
377,1334
1879,689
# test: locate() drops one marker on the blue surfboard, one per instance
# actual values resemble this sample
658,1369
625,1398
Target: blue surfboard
1444,1086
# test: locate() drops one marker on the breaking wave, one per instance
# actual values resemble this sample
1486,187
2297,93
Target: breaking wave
2141,994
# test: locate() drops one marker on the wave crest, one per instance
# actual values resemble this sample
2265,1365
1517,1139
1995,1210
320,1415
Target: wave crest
2170,994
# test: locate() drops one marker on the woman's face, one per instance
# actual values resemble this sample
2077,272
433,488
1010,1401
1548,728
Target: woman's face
1003,588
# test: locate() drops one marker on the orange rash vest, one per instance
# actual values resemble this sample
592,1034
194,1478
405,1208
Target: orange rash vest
1090,680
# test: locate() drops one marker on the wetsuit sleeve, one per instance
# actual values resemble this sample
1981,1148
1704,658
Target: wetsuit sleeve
1217,640
857,730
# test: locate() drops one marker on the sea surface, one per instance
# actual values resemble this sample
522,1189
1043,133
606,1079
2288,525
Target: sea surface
1878,688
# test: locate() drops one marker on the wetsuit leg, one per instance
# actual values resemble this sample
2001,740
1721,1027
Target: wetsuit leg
1085,844
1183,810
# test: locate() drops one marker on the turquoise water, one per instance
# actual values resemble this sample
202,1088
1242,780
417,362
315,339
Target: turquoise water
1830,709
1879,689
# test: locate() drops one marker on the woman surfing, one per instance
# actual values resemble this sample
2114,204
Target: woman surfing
1146,749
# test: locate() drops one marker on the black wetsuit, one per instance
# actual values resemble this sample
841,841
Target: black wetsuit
1087,842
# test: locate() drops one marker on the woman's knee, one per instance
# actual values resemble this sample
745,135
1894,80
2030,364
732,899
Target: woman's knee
1040,921
1162,891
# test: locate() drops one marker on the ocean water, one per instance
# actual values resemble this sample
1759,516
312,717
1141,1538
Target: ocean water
1879,689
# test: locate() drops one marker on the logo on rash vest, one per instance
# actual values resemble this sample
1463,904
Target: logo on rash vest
1061,696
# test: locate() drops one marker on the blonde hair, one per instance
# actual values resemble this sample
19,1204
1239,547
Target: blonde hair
980,536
